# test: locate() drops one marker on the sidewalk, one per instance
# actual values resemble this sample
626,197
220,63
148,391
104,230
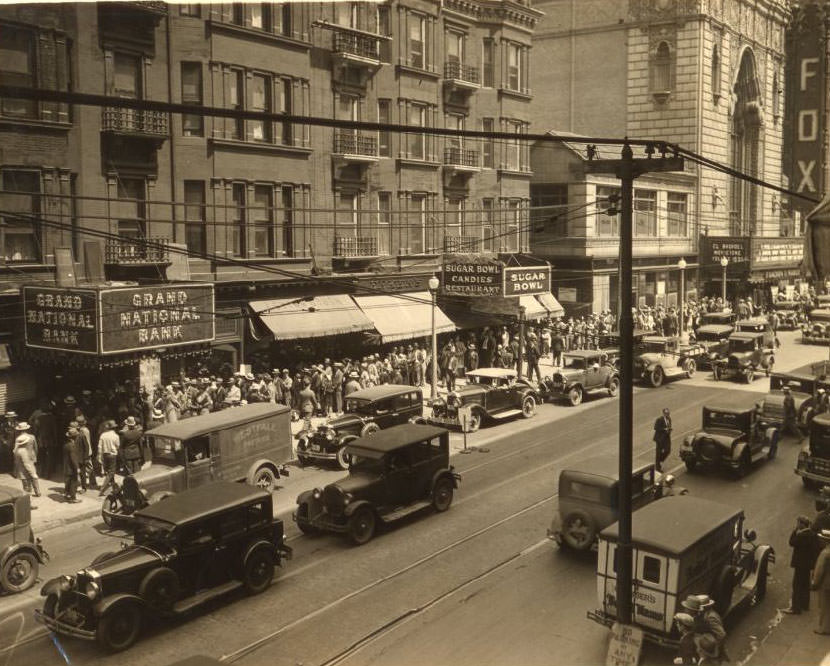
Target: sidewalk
790,641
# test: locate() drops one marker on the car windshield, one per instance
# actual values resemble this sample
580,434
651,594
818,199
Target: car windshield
741,345
478,379
715,318
652,347
575,362
751,328
358,406
166,450
150,530
366,464
708,336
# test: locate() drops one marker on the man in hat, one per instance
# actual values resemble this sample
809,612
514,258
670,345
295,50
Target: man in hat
87,471
790,424
108,446
71,465
821,583
822,404
42,423
352,385
25,458
804,545
337,379
708,627
662,437
131,445
687,649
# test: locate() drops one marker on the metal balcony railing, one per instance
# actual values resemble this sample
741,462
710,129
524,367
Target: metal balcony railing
145,251
356,45
355,246
134,121
460,156
348,142
152,6
462,244
461,72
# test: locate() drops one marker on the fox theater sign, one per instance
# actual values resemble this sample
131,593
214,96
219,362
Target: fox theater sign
114,320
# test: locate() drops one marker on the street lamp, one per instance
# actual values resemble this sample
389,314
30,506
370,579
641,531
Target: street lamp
433,290
724,262
682,266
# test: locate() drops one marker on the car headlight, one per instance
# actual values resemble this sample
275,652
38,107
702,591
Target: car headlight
92,590
687,441
348,497
66,583
329,434
317,493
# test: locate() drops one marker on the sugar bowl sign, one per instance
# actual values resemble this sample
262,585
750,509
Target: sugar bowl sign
118,319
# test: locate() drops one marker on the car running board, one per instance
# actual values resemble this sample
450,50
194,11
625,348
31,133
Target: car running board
205,595
401,511
762,454
505,414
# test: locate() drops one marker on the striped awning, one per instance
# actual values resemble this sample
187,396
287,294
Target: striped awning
403,316
314,317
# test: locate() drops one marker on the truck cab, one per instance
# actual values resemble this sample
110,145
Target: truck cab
813,464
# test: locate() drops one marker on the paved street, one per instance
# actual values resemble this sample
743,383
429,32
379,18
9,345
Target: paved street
479,584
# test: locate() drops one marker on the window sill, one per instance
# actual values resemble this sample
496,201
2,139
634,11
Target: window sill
23,266
55,125
661,97
258,34
518,94
525,173
411,161
270,261
417,71
233,144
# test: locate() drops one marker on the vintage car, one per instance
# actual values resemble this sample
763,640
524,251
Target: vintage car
725,318
729,438
802,387
813,465
365,412
715,339
251,443
746,356
190,549
757,325
583,371
20,553
589,494
393,474
789,314
817,329
681,546
491,393
659,358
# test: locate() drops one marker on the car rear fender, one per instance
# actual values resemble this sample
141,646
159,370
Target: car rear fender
110,602
255,467
21,548
352,507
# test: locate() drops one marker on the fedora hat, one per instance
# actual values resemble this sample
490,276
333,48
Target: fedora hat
698,602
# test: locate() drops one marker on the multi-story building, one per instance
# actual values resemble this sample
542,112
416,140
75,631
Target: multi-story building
702,74
263,209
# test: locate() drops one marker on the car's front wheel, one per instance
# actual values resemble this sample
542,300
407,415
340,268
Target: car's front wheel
575,396
657,376
259,571
108,507
362,526
690,367
691,464
442,494
343,458
749,375
19,572
118,629
474,422
528,406
614,387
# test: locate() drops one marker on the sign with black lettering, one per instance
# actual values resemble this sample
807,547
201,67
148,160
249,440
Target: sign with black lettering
526,280
625,645
471,278
65,319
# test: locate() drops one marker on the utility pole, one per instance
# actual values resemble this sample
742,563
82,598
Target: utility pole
627,169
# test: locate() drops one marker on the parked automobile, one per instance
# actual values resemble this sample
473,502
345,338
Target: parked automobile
609,343
492,394
681,546
817,328
803,389
393,474
659,358
583,371
729,438
724,318
365,412
813,465
757,325
790,314
715,339
251,443
588,498
746,356
192,548
20,553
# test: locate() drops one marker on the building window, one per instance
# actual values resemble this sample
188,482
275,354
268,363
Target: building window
238,220
513,152
455,142
515,75
286,89
417,142
417,41
190,10
19,212
661,69
192,124
258,15
260,130
645,213
263,221
715,74
346,14
17,68
195,225
547,205
676,214
384,223
513,225
488,59
287,192
384,136
417,224
127,76
488,150
385,45
282,17
608,225
131,210
454,222
487,226
236,101
455,48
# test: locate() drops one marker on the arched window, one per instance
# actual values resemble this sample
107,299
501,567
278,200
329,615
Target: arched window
661,69
715,74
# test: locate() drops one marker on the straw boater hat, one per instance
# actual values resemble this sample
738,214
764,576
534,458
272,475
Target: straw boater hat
130,422
22,426
699,602
824,535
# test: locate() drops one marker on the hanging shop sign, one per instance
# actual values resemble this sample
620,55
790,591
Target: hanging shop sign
526,280
733,248
119,319
473,278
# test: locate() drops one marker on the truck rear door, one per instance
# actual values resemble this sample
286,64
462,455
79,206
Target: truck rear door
651,601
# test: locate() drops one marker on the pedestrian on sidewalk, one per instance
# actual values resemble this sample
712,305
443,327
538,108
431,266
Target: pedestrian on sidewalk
25,459
821,583
88,479
662,438
804,545
108,445
130,447
71,465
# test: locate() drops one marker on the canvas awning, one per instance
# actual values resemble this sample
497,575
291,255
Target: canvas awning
403,316
550,304
314,317
533,308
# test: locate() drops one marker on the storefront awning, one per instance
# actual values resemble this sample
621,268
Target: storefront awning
550,304
315,317
404,316
533,308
